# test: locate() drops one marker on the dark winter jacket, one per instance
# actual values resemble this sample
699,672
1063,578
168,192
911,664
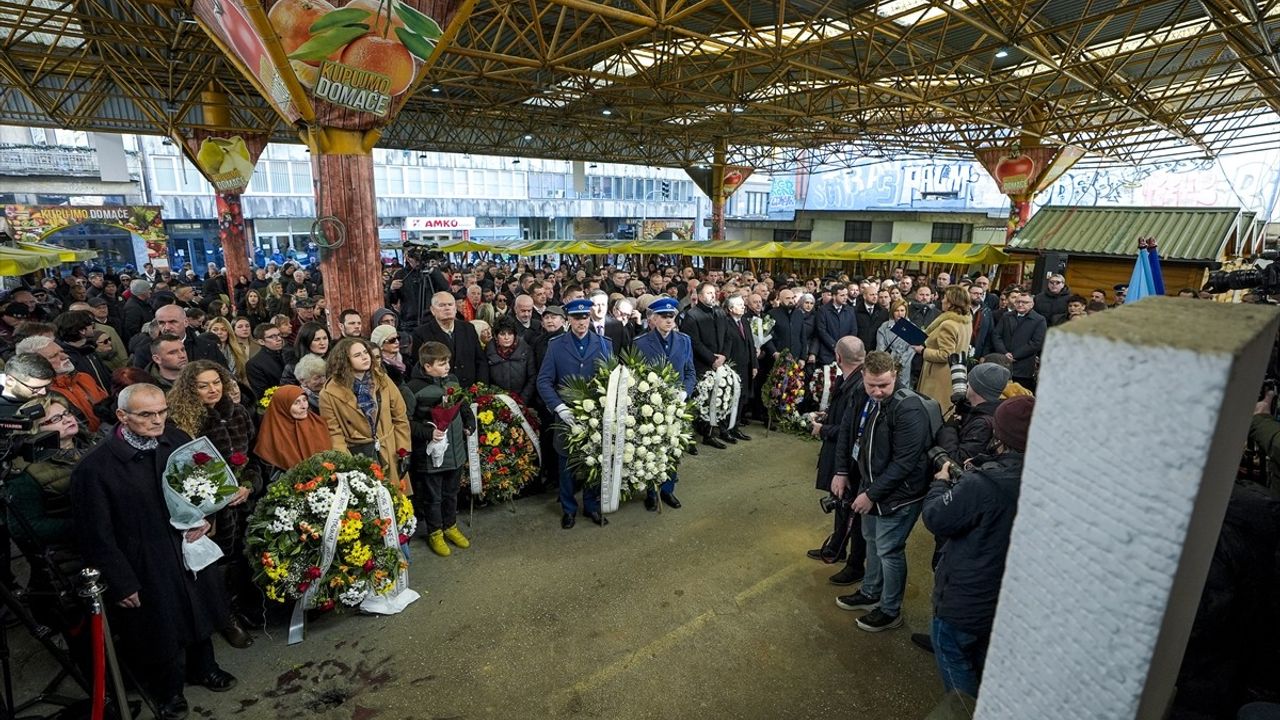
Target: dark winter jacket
1023,337
870,318
421,394
831,325
974,519
707,331
892,461
517,374
839,410
265,370
973,438
415,294
136,314
790,332
1052,306
467,360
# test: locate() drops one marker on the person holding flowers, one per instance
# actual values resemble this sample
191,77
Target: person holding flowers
666,344
574,354
163,613
439,431
363,409
199,404
290,431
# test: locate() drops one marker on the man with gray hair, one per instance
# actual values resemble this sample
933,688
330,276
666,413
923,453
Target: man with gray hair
165,614
26,376
137,309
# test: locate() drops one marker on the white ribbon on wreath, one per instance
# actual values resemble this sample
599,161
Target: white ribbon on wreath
613,436
473,455
394,602
829,372
733,386
516,412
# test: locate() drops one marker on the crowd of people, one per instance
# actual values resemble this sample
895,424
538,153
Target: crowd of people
122,368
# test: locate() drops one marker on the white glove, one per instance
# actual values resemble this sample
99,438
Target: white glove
566,415
683,396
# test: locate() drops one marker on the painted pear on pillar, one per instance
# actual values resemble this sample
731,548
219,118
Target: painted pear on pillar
719,182
337,73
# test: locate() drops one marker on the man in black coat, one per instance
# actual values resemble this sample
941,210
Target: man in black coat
708,334
137,309
741,351
835,320
413,287
790,331
467,360
845,541
870,315
1020,336
266,368
164,614
1051,304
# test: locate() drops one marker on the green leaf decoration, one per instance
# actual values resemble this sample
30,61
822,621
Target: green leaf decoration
323,45
416,21
415,44
337,18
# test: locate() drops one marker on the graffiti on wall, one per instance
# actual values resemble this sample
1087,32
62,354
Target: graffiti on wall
1250,181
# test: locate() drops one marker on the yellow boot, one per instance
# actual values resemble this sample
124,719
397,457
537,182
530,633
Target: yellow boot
436,541
455,536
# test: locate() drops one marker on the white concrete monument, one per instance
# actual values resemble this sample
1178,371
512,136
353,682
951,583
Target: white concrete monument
1140,420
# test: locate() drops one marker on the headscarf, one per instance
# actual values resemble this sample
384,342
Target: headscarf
284,441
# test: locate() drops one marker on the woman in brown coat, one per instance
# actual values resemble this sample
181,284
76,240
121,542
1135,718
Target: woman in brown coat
363,410
950,333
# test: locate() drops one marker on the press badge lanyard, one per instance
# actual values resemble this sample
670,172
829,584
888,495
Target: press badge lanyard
867,409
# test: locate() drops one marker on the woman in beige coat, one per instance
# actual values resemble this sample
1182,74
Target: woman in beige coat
363,410
950,333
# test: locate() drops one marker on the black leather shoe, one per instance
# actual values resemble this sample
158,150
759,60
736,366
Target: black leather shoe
846,576
691,450
743,422
217,680
175,708
738,434
824,556
670,500
251,620
598,519
713,442
650,503
236,636
922,641
567,521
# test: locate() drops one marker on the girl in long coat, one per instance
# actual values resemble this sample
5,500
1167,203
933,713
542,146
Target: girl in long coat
950,333
363,410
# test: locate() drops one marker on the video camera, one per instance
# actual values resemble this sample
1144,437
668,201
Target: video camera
1264,279
424,253
22,442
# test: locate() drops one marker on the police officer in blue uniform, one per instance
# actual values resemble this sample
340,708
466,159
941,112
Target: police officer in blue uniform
665,343
573,354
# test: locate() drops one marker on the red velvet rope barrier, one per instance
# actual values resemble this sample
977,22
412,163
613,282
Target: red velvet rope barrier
99,667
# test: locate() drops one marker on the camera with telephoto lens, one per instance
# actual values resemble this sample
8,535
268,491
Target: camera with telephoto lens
831,502
959,376
938,458
1263,279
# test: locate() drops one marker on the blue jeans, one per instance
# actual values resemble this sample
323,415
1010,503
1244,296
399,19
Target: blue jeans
568,492
960,656
886,537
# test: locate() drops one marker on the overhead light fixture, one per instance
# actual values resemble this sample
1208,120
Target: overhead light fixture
592,165
606,111
516,161
528,136
738,108
1002,53
166,142
188,19
436,89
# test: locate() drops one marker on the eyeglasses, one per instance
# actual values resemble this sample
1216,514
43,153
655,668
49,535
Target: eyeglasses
56,419
148,414
391,341
277,336
37,389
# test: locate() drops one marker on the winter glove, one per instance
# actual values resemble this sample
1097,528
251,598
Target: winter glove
566,416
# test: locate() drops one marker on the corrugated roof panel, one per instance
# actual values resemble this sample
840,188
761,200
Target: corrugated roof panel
1182,233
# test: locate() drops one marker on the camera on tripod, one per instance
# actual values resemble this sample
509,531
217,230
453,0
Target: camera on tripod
424,253
1263,279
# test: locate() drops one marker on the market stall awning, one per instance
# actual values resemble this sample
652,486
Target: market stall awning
945,253
20,261
1186,234
65,254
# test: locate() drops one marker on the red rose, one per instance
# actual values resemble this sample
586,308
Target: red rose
449,391
313,573
473,389
402,453
201,458
303,586
238,459
404,539
327,605
369,565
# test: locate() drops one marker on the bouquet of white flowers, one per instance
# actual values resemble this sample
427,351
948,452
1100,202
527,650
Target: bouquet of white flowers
630,426
716,394
197,483
762,329
824,380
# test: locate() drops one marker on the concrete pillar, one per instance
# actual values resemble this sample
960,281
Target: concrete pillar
1141,416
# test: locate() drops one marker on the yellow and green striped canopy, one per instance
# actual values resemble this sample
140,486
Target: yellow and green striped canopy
949,253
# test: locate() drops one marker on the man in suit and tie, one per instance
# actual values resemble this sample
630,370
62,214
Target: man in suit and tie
574,354
666,344
605,326
1020,336
744,356
708,332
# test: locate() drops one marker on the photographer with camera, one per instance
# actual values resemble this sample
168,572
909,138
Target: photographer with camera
973,513
26,376
845,541
413,285
970,429
1264,433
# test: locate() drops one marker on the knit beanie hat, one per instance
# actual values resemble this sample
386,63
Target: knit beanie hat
1013,420
381,334
988,380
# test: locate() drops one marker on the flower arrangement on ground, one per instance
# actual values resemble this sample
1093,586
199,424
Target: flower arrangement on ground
783,391
822,385
630,425
505,447
716,394
328,533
